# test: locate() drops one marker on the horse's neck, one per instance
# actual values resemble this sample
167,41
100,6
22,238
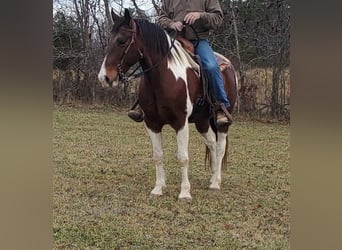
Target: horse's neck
150,66
149,61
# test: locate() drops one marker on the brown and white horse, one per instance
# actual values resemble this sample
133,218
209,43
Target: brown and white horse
167,93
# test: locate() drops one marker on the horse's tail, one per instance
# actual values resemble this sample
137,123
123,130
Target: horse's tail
207,161
225,156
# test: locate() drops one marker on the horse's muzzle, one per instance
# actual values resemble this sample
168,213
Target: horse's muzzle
108,82
107,76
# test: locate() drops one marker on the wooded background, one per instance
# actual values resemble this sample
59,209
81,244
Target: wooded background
255,36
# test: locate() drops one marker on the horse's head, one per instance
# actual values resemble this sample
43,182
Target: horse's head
122,50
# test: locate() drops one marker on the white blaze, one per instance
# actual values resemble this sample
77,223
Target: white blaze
102,73
178,64
102,76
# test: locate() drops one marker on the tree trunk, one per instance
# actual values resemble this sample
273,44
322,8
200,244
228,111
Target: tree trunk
241,100
108,16
275,89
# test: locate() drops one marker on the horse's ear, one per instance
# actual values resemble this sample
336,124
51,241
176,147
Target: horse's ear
115,17
127,16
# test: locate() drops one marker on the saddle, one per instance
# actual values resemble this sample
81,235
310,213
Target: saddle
222,61
207,100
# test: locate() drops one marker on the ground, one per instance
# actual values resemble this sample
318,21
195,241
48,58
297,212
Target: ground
103,174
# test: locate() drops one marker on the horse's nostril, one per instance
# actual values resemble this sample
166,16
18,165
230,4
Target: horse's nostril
107,79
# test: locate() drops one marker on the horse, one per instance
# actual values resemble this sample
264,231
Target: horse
167,94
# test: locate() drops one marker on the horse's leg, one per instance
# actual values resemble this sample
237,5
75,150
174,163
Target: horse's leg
210,142
220,151
183,158
156,139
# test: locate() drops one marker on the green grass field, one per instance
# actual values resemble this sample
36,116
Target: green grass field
104,173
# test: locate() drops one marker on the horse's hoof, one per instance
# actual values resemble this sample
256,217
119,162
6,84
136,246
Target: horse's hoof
214,187
156,191
154,196
185,199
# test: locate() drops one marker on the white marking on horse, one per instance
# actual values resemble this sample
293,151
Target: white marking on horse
220,150
178,63
210,141
102,76
180,60
217,150
183,158
157,151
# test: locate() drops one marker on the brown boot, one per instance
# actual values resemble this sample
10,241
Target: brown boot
222,119
136,115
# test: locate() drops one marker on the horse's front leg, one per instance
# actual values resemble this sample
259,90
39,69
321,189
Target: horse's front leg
183,158
156,139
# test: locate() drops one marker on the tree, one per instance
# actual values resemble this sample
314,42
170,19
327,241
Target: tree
66,40
254,34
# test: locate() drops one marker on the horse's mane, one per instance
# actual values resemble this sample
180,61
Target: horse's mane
154,37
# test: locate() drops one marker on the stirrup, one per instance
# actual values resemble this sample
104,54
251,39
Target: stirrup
223,117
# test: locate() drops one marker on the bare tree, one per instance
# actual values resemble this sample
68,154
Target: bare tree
281,33
107,11
254,33
140,13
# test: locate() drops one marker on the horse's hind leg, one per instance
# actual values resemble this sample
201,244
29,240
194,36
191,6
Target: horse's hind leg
156,139
216,155
183,158
220,151
210,142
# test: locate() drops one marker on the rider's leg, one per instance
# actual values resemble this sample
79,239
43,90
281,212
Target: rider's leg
212,69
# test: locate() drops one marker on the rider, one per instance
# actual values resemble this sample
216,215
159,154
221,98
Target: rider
203,15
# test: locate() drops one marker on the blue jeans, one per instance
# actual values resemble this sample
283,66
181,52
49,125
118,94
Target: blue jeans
212,69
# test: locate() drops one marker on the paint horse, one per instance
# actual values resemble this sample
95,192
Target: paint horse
167,93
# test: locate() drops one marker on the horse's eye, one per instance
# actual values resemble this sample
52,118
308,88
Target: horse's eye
120,42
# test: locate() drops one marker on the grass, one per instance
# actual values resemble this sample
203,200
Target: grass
104,174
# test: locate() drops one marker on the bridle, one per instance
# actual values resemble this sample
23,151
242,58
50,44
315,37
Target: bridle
133,40
131,76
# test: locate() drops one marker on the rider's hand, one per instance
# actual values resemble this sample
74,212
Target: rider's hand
178,26
191,17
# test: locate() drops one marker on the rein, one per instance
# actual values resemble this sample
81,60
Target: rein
196,34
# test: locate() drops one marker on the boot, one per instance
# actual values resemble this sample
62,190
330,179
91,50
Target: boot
223,119
136,115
